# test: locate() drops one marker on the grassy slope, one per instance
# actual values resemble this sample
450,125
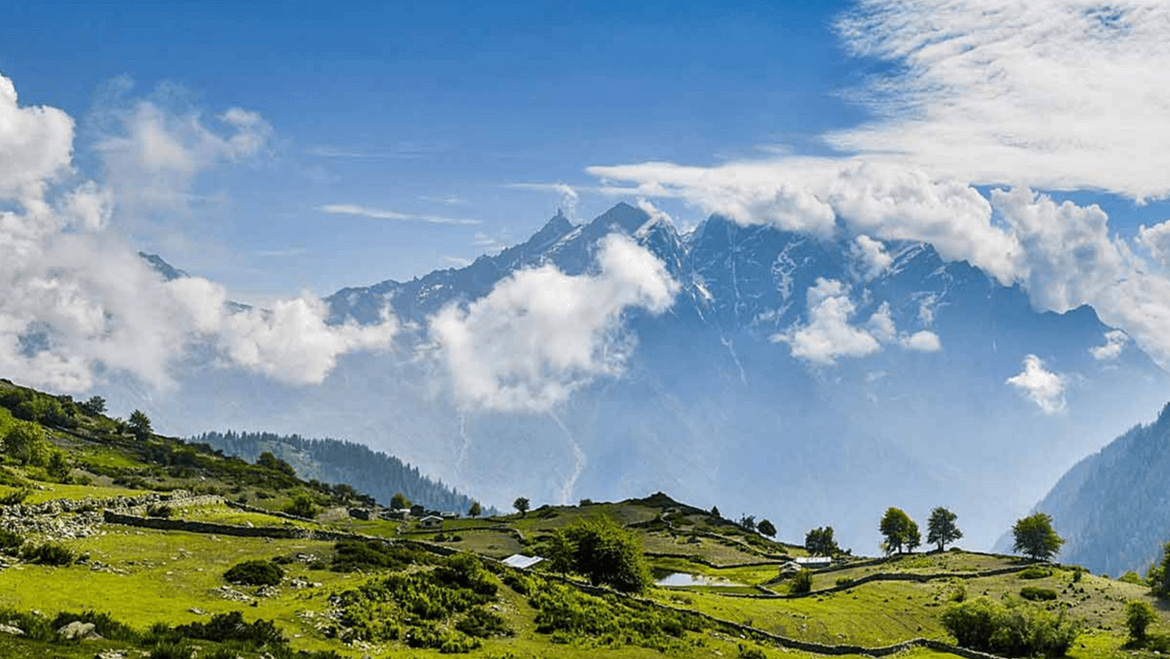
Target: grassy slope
160,576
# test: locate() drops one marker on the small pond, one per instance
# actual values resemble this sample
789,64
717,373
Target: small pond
680,579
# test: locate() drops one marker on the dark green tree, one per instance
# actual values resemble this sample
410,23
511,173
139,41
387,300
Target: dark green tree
521,505
1159,575
270,461
475,510
25,442
1138,616
94,406
747,522
58,466
302,506
140,425
715,512
820,542
1035,537
766,527
941,529
900,531
608,554
399,502
801,582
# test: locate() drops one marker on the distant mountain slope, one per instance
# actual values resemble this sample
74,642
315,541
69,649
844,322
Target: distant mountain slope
712,403
1113,507
335,461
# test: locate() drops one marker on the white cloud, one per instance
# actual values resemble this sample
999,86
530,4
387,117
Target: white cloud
381,214
1115,341
36,145
824,197
1156,241
541,334
922,341
829,333
80,305
1055,94
153,149
1040,385
871,256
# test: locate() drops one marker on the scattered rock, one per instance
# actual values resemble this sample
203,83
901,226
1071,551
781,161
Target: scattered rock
9,629
197,611
79,630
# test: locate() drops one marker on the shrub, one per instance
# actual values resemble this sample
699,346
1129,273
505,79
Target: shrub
481,623
1015,630
301,506
1138,616
15,497
172,650
1035,573
1034,594
254,573
10,541
570,616
103,624
231,627
1132,577
749,652
159,510
354,555
49,553
801,582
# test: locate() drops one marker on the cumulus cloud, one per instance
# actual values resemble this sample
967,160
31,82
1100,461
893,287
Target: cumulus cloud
830,333
1055,94
1156,241
827,197
382,214
80,304
541,334
1115,341
1040,385
152,149
871,256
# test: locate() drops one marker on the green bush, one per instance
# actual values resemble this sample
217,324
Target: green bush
49,553
254,573
801,582
103,623
366,555
750,652
15,497
159,510
1014,630
1132,577
481,623
231,627
302,506
10,541
1035,573
1034,594
180,649
570,616
1138,616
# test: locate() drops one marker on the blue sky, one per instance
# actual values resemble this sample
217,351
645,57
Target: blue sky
435,109
445,101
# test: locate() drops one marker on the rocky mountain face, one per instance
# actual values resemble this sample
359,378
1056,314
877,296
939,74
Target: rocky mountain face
713,404
1113,507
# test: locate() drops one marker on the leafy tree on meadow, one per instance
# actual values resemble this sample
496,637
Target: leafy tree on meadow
521,505
302,506
941,529
604,552
820,542
1035,537
767,528
140,425
1138,616
475,510
94,406
747,522
900,531
57,466
399,501
26,443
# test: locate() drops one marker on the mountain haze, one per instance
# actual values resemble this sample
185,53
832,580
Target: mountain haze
715,402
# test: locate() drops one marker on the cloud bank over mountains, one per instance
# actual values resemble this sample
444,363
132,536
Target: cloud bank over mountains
81,305
1056,95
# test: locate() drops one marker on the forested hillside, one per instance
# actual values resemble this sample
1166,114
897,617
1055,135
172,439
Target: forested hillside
1113,507
336,461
